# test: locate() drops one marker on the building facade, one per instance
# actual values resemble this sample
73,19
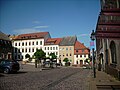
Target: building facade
81,53
67,49
28,44
6,48
108,37
52,46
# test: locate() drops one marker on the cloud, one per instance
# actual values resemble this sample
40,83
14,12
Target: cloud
25,30
36,22
29,30
83,35
39,27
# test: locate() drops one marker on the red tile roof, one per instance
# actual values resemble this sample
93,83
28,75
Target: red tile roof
53,41
80,48
32,35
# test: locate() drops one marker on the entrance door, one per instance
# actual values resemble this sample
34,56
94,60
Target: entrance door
81,63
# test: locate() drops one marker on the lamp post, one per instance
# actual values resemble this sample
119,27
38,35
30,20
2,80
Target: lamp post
93,38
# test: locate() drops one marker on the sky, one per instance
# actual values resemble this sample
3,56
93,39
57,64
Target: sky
58,17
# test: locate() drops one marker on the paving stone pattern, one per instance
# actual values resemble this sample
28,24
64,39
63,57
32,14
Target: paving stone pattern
62,78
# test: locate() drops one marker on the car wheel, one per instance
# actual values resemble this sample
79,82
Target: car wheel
6,70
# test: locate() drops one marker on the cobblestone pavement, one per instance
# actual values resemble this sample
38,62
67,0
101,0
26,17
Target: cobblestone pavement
62,78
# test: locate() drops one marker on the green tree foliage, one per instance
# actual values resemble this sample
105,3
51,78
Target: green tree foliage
39,54
87,60
66,60
53,56
27,56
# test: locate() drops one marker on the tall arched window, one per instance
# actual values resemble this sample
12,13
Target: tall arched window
113,52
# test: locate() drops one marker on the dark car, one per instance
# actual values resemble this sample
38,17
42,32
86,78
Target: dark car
8,66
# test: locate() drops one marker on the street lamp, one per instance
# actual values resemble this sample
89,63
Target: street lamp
93,38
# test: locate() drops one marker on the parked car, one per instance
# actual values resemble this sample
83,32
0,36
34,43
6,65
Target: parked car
86,67
8,66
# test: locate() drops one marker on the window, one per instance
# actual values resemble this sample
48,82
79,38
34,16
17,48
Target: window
80,55
51,48
36,42
76,50
113,52
45,48
70,54
26,44
32,43
19,44
15,44
66,54
22,43
56,53
23,50
84,55
26,50
48,48
32,49
70,48
29,50
40,42
66,48
76,56
29,43
56,48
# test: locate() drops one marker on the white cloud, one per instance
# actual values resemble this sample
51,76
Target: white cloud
25,30
36,22
82,35
39,27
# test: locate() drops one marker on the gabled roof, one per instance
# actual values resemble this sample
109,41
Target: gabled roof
80,48
79,45
4,36
53,41
68,41
32,35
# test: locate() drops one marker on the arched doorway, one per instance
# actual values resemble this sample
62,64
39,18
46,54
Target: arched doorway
101,63
113,52
81,63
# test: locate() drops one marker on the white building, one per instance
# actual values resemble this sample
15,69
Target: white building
81,53
28,44
52,46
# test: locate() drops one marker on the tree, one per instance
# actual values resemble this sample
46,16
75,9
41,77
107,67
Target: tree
52,57
39,54
87,60
67,63
27,56
66,60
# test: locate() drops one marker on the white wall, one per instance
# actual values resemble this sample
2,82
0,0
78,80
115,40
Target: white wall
28,47
80,58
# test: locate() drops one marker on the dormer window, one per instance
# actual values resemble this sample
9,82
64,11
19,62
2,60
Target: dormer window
76,50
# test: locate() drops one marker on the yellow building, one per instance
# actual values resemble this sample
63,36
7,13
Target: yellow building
67,49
